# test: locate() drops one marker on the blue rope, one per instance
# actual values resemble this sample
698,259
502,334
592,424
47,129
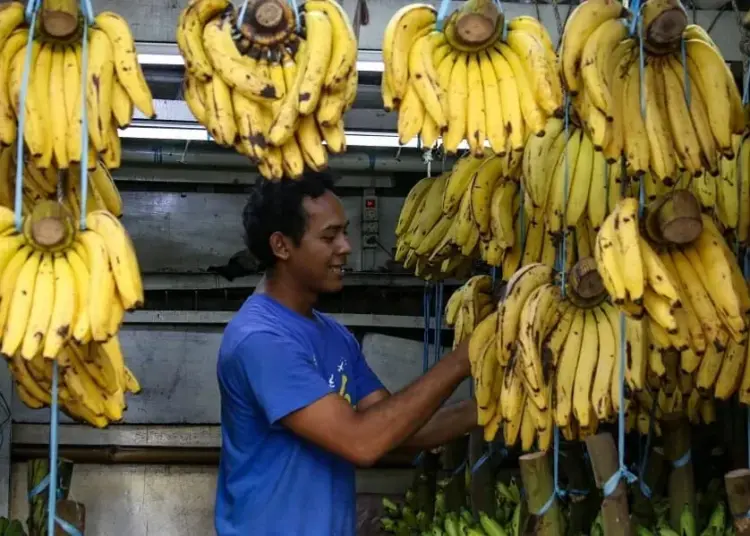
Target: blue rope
566,182
683,460
636,16
611,485
487,456
645,489
84,129
442,12
686,75
39,488
30,13
427,316
642,70
437,339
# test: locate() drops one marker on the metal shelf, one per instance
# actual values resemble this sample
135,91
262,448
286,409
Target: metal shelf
220,318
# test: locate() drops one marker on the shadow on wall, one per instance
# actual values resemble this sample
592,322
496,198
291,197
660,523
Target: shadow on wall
240,264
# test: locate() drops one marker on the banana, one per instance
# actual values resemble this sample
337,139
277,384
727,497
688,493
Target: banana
476,113
129,72
596,53
586,367
221,123
545,82
102,181
533,115
544,298
458,95
99,80
637,141
20,305
40,314
63,308
403,29
101,283
609,259
285,121
411,116
684,135
501,214
627,236
57,113
189,35
580,182
485,179
564,170
566,368
122,258
320,38
495,131
344,48
72,94
657,275
311,144
122,106
707,69
535,161
15,42
519,288
582,23
80,329
730,374
511,100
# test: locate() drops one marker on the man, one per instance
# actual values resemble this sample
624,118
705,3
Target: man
300,408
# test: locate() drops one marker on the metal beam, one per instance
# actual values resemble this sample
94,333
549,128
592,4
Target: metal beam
222,317
178,281
725,32
189,175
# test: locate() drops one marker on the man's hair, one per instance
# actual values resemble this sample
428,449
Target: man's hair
277,207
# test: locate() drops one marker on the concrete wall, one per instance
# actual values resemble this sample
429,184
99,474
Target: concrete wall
159,500
177,370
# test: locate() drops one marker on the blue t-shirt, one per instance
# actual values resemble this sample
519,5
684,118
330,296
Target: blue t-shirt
273,361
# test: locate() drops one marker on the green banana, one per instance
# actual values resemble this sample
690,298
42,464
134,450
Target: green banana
390,506
451,525
687,522
490,526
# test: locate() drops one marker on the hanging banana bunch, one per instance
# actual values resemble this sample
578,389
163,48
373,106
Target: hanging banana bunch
65,291
273,90
471,79
690,106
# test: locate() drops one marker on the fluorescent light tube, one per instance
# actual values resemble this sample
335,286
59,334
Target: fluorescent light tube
354,138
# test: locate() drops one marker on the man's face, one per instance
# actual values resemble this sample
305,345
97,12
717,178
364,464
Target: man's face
319,259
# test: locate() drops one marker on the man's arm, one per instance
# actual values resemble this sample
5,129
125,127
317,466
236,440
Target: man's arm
448,423
364,436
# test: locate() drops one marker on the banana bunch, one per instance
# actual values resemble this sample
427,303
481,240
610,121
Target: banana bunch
92,381
496,94
39,185
581,195
114,85
468,306
68,296
691,110
448,221
695,295
718,523
277,96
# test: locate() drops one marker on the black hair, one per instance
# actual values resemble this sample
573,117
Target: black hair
276,206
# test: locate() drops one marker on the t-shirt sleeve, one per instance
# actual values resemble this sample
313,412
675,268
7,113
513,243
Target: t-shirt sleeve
282,376
366,380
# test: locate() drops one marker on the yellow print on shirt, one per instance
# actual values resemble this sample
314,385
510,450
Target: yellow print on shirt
343,380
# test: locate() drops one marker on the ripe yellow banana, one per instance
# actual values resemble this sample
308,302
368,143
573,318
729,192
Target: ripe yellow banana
190,35
20,305
99,80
